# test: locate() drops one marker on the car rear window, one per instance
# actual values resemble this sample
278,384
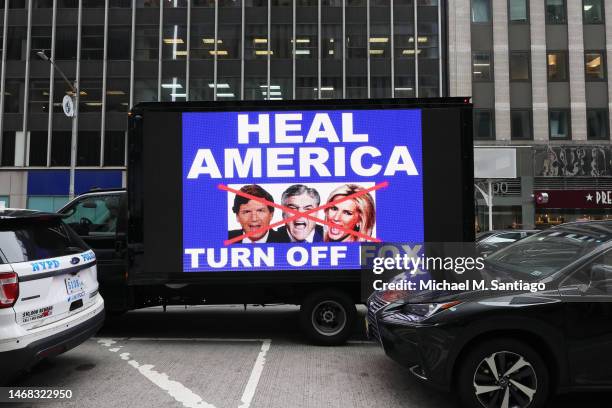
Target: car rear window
30,240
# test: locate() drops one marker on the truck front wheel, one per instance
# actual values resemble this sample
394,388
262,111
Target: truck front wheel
327,317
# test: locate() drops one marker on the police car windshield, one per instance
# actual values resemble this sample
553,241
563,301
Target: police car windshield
543,254
33,239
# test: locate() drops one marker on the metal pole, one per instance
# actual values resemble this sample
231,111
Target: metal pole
490,203
75,118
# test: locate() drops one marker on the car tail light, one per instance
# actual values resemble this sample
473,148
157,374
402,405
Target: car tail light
9,289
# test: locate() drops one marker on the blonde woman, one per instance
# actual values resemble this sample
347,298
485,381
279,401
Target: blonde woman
357,214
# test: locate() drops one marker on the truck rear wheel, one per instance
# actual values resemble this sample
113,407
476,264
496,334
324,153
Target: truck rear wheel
327,317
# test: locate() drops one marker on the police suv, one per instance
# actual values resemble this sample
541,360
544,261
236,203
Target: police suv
49,300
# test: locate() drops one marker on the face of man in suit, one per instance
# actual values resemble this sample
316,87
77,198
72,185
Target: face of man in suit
301,227
253,216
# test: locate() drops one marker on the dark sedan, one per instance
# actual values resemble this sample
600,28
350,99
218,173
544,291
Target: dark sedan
543,325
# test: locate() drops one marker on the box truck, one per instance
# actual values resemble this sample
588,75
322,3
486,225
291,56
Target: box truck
277,202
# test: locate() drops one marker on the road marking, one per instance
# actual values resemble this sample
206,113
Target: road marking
178,391
249,390
209,339
175,389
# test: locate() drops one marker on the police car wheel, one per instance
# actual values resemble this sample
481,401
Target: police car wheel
327,317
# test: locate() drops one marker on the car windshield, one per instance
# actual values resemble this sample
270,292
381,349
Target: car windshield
543,254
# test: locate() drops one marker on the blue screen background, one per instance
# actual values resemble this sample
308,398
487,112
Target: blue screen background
399,207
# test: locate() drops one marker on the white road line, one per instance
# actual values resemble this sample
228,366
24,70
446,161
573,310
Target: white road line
208,339
175,389
249,390
181,393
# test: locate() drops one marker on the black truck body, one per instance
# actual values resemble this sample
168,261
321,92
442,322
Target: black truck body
142,261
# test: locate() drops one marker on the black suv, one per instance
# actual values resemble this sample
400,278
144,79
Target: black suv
512,346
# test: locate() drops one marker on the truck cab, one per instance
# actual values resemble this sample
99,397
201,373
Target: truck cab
100,218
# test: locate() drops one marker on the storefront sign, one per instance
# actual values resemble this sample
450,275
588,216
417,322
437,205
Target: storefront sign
581,199
574,161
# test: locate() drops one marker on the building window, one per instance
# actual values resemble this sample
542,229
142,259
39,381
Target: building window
520,124
483,124
597,124
556,12
38,149
593,12
519,66
88,148
595,65
4,201
557,66
481,11
47,203
8,149
481,66
114,148
60,148
559,124
518,11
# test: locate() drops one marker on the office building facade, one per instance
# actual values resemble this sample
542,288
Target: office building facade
121,52
539,74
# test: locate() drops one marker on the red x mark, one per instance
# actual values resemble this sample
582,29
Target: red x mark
297,214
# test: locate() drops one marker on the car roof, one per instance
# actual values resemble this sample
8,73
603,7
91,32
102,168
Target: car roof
106,190
593,227
20,213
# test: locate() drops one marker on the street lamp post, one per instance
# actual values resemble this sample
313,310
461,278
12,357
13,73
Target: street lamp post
71,112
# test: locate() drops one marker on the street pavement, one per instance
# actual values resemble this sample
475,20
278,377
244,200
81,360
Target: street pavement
226,357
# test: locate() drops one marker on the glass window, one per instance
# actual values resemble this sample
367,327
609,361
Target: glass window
43,4
65,42
481,11
559,124
483,124
120,3
13,96
147,3
46,203
17,37
38,149
88,148
203,41
557,66
90,91
520,124
147,43
60,148
119,42
597,124
173,89
174,42
518,11
32,240
595,67
482,69
8,149
114,148
92,42
94,215
519,66
593,12
117,94
145,90
39,96
556,12
4,201
68,4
